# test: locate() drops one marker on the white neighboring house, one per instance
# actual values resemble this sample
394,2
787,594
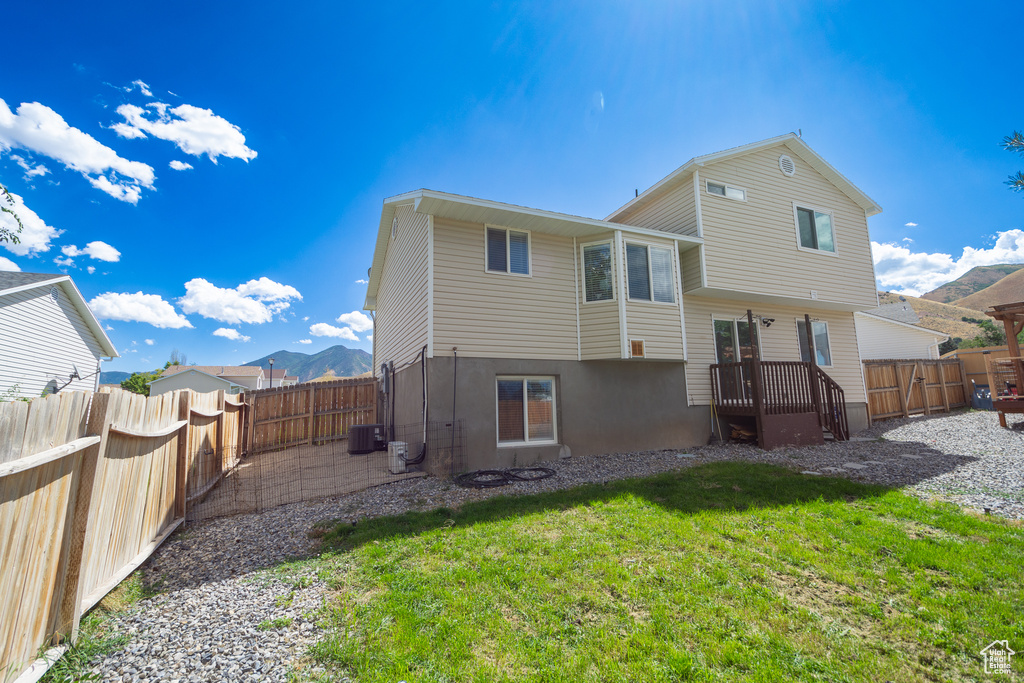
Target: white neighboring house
890,331
194,378
49,338
281,378
248,377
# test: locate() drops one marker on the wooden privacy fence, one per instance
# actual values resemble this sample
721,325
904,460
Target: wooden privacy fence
309,413
900,388
89,487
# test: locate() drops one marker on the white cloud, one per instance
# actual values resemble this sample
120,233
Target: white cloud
247,303
150,342
325,330
7,264
36,235
228,333
907,240
138,307
910,225
37,128
899,269
359,322
143,88
30,170
100,251
369,337
65,262
91,269
362,282
194,130
304,341
179,165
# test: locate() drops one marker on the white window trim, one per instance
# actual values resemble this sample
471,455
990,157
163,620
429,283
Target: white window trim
796,227
526,412
583,270
650,272
728,187
828,334
508,256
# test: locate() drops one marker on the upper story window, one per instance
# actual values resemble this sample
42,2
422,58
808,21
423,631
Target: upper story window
822,349
649,273
597,272
508,251
814,229
728,191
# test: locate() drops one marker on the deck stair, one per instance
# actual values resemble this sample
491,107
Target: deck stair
793,403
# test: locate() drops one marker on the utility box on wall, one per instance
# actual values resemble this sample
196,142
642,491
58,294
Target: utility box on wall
398,453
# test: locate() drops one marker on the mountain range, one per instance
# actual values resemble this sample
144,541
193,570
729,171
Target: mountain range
336,361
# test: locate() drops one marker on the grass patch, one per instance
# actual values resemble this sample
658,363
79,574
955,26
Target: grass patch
94,641
726,571
270,624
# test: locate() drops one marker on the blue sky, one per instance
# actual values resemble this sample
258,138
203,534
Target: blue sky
289,126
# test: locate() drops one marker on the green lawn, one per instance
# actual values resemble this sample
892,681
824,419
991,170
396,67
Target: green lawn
724,572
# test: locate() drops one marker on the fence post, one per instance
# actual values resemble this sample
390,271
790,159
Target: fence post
221,421
69,610
924,388
968,389
942,378
312,389
180,485
901,385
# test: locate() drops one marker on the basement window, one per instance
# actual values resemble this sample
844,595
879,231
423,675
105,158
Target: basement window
526,410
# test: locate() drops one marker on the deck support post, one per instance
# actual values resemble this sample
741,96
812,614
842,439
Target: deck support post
755,379
812,369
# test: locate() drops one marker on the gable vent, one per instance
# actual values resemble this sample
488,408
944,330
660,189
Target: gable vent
54,294
636,348
786,165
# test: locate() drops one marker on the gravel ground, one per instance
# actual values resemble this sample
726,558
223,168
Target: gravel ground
214,617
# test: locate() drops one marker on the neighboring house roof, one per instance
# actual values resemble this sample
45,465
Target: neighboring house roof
900,312
217,370
791,140
194,368
471,209
279,374
872,314
19,282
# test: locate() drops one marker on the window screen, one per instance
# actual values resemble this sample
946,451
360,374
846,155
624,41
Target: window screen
639,278
597,272
496,251
661,274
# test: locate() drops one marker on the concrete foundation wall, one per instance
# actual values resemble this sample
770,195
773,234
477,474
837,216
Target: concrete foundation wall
600,407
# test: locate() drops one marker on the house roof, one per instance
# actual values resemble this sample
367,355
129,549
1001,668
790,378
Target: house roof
279,374
791,140
474,210
217,370
900,312
11,283
918,328
201,369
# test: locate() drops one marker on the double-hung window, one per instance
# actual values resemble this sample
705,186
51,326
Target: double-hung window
508,251
598,283
649,273
815,230
822,350
526,410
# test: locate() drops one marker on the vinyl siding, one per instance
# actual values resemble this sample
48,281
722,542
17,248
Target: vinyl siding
879,339
658,324
778,342
689,261
498,315
40,340
751,246
675,212
198,381
599,320
401,317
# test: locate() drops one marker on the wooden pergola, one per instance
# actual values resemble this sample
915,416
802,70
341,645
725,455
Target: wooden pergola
1008,394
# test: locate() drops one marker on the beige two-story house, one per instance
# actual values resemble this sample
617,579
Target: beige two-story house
556,334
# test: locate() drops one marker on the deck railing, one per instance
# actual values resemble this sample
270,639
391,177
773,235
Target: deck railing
783,387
